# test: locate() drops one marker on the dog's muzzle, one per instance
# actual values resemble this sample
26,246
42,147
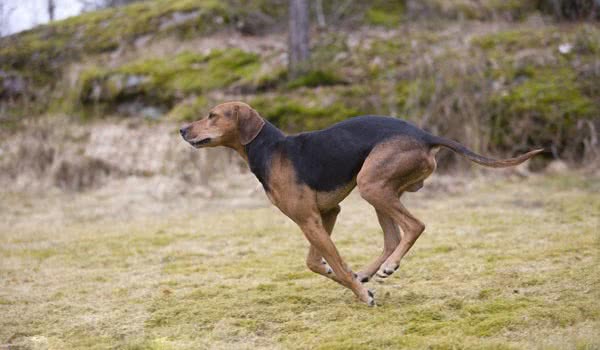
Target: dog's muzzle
198,143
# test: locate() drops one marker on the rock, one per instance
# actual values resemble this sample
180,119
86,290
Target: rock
11,84
117,84
565,48
135,81
152,112
142,41
254,23
177,18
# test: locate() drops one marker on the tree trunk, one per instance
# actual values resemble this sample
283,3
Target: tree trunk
298,37
51,8
320,14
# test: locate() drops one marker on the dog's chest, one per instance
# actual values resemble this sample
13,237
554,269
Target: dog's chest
294,197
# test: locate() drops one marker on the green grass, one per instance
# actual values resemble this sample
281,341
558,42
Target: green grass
502,265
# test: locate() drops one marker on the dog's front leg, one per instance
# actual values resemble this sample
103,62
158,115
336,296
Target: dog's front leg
314,260
317,235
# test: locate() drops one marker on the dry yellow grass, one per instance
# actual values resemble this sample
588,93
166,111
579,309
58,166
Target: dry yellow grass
503,264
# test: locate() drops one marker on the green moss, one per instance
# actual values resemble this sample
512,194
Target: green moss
382,18
184,264
516,9
498,306
539,103
480,319
41,53
426,321
82,339
546,103
491,317
192,73
4,301
414,95
43,254
267,78
487,293
189,110
493,325
566,316
316,78
155,344
165,81
304,111
515,39
455,304
385,13
290,276
481,10
266,287
443,249
587,40
550,94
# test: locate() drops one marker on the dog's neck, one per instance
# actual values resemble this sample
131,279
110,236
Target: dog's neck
268,136
258,152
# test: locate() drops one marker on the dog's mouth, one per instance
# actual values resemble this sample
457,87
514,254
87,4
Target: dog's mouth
198,143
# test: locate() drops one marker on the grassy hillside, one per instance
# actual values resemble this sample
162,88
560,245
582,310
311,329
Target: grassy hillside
502,265
497,75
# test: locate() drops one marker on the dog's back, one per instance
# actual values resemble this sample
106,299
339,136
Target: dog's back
331,158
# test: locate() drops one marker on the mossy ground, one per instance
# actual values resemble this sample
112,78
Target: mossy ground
164,82
504,264
488,73
511,84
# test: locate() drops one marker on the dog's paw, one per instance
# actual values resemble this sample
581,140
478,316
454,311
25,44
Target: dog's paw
362,278
371,299
386,271
365,295
328,269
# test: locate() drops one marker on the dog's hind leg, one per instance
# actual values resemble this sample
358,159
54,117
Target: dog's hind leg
411,229
391,239
388,171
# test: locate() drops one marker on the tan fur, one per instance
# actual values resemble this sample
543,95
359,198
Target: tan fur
328,200
391,169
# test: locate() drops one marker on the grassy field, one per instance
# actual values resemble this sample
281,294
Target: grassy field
503,264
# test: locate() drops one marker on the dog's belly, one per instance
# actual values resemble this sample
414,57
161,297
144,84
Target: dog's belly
330,199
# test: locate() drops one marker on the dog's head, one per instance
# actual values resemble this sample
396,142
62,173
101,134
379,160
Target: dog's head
229,124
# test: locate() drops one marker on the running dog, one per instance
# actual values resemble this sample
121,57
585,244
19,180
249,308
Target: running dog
307,175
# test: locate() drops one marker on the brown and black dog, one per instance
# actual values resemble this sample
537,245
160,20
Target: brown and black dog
306,176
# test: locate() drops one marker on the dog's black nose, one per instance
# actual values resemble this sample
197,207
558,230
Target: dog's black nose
183,130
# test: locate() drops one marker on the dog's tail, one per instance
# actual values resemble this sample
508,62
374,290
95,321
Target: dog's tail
479,159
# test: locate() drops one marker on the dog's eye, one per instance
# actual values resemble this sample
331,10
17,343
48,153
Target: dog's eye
211,116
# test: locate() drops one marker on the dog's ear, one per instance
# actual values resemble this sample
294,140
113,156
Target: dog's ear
250,123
